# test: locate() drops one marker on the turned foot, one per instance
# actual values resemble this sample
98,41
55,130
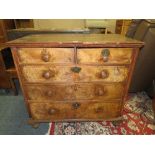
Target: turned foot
33,124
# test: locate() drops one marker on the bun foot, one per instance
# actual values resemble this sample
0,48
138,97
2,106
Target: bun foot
35,125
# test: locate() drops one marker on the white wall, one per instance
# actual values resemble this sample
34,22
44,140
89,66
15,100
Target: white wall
74,23
59,23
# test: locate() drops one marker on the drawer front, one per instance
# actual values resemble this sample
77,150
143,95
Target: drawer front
104,56
75,92
103,73
76,110
79,74
47,74
45,55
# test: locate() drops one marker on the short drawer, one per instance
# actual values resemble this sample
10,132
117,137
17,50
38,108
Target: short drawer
48,74
75,92
104,55
75,110
46,55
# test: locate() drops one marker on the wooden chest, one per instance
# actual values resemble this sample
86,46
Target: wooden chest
83,77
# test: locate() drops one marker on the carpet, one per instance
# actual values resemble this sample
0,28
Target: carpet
138,119
14,116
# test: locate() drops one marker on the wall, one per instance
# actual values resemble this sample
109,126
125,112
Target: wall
110,24
59,23
74,23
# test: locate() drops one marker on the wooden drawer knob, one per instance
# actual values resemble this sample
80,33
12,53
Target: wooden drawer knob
76,105
105,54
104,74
48,74
45,56
52,111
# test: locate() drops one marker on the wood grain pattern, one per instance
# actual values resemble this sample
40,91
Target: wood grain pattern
64,73
56,55
61,111
70,81
93,73
75,40
93,55
76,91
58,73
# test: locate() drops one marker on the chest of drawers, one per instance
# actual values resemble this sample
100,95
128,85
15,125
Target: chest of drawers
82,77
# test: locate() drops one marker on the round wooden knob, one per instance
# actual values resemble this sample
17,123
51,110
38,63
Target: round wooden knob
105,58
46,57
52,111
47,74
104,74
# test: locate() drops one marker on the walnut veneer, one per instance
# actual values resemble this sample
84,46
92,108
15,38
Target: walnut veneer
74,77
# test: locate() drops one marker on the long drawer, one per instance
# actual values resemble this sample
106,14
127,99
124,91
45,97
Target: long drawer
104,55
51,73
46,55
87,91
75,110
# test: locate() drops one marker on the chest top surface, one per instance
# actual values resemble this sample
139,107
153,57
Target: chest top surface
75,40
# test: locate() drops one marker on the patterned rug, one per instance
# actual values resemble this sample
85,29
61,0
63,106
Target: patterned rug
138,120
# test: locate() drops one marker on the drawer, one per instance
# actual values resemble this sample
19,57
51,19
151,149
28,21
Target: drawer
104,55
103,73
76,91
75,110
48,74
45,55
